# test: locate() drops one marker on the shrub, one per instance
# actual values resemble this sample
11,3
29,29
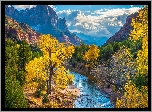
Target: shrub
14,97
38,93
45,99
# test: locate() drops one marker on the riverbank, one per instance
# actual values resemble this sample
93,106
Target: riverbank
108,91
57,99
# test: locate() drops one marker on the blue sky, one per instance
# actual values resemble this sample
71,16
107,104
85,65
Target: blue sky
95,20
91,7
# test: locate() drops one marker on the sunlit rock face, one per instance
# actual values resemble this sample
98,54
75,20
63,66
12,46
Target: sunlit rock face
20,31
124,31
44,19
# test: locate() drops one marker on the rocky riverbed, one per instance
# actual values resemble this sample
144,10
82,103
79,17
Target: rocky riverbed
90,96
103,84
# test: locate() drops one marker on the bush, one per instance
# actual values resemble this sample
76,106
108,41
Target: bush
140,80
45,99
38,93
14,97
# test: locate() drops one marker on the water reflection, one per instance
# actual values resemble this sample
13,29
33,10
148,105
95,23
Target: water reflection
90,97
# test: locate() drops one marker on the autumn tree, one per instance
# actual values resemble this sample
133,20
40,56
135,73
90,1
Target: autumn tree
51,63
91,56
140,32
133,98
136,91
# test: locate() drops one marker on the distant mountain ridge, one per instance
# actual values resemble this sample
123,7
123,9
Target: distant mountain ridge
44,19
87,39
124,31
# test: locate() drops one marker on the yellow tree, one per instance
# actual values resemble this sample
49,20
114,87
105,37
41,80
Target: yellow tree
133,98
36,72
140,32
91,56
138,97
54,56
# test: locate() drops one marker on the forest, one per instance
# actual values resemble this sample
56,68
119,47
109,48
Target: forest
36,75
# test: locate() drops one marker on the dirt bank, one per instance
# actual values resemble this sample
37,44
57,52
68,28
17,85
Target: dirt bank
64,98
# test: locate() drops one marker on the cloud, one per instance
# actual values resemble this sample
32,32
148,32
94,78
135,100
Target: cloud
116,12
68,14
52,6
103,22
70,17
75,31
19,7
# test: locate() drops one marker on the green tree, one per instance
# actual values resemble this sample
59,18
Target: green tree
77,56
106,52
116,46
14,97
24,56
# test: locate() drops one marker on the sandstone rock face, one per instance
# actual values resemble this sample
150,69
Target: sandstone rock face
19,31
61,25
43,19
124,31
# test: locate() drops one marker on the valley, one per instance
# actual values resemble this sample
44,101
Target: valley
47,65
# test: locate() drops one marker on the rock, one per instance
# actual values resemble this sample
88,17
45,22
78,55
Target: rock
20,31
44,19
124,31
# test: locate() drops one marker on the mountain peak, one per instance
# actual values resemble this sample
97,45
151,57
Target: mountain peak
44,19
42,6
19,31
124,31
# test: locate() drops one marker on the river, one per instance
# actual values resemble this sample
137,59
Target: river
90,97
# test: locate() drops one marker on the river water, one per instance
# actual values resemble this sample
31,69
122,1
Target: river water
90,97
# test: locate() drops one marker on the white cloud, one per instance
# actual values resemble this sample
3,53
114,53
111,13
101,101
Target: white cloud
68,23
52,6
24,6
30,6
75,31
116,12
103,22
85,11
93,13
98,11
64,12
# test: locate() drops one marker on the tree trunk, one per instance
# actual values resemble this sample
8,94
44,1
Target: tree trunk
49,81
50,76
89,70
48,89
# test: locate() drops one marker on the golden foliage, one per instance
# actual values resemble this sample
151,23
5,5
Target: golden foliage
54,54
92,54
62,78
36,70
140,32
133,98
